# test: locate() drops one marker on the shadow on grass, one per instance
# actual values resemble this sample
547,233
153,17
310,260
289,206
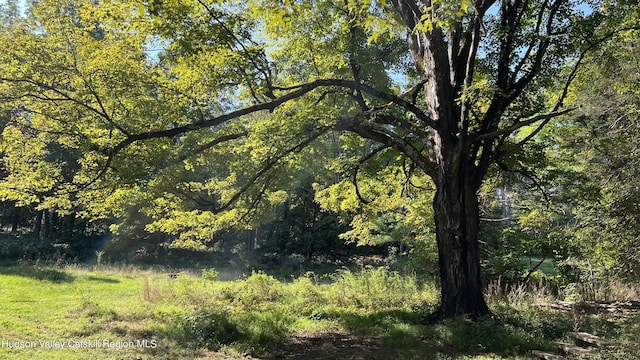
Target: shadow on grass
38,272
375,335
383,334
103,280
401,334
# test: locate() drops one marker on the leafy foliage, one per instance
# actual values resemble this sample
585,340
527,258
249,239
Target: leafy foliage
192,119
607,128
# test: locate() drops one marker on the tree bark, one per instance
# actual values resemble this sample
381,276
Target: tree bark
457,228
37,227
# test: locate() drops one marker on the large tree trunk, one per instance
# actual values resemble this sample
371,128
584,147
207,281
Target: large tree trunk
457,221
456,215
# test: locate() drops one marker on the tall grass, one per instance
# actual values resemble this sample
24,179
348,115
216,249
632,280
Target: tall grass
194,315
258,312
519,294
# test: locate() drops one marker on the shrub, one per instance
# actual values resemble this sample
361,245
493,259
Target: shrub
306,294
264,330
15,247
374,288
201,328
210,274
255,290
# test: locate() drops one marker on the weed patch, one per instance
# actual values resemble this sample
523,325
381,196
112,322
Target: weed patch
206,328
374,312
257,289
374,289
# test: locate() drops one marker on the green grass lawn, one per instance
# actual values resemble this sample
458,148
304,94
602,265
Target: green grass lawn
74,307
126,313
547,267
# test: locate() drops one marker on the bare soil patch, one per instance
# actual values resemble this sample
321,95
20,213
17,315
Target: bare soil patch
332,345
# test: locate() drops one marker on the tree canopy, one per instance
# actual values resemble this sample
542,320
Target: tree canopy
198,113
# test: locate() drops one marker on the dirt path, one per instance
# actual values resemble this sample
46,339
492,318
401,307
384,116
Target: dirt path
332,345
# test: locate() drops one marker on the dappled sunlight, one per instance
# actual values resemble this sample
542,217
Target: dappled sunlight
288,179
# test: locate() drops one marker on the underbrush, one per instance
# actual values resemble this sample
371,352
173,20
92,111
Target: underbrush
262,313
259,312
193,315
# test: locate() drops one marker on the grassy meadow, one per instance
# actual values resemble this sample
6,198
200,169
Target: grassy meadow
124,312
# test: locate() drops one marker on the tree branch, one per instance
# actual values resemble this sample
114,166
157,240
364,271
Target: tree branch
64,96
533,269
269,165
385,136
354,178
536,182
520,124
300,91
265,73
212,143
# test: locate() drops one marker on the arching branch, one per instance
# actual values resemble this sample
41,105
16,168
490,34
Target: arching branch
298,92
510,129
385,136
354,178
208,145
270,165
